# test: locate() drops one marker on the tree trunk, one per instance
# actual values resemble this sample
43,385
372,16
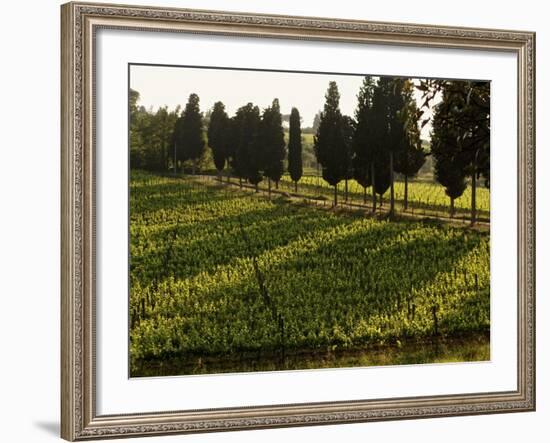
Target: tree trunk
373,185
335,195
175,160
269,186
277,184
474,185
228,176
240,182
406,196
219,176
392,191
256,187
364,195
346,191
296,187
194,166
452,211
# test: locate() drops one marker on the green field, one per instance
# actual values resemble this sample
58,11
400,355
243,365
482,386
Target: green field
220,278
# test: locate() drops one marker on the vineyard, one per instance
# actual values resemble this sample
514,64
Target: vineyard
426,198
222,273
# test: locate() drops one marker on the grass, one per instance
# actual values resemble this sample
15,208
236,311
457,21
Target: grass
475,348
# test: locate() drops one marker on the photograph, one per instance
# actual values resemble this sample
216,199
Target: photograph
271,219
293,220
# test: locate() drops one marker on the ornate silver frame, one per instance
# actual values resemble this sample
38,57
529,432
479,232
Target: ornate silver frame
80,21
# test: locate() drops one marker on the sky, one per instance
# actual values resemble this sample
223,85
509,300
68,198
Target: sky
171,86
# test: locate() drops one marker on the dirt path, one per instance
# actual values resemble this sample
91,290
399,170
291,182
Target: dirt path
481,225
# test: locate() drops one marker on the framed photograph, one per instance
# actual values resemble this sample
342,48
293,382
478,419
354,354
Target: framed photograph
283,221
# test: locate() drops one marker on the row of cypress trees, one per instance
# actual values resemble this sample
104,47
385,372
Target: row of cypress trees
250,142
383,138
253,143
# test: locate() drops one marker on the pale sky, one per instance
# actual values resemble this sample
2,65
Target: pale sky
171,86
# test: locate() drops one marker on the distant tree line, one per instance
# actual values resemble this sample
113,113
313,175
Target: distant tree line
382,139
151,136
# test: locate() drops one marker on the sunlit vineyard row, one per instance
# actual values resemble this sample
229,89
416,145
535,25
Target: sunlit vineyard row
421,195
424,197
218,271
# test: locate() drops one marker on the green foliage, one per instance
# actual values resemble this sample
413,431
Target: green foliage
363,144
461,137
348,134
384,138
387,134
188,132
410,158
380,137
331,143
295,146
218,135
464,111
248,159
272,142
449,165
340,281
316,122
233,137
150,136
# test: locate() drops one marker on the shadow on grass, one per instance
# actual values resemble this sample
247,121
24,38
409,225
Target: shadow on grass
202,247
396,256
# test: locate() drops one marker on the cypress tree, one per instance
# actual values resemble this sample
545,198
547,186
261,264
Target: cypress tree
348,132
362,141
396,98
380,166
188,133
329,143
411,157
231,147
471,114
272,144
316,122
218,136
465,110
449,161
248,157
295,148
